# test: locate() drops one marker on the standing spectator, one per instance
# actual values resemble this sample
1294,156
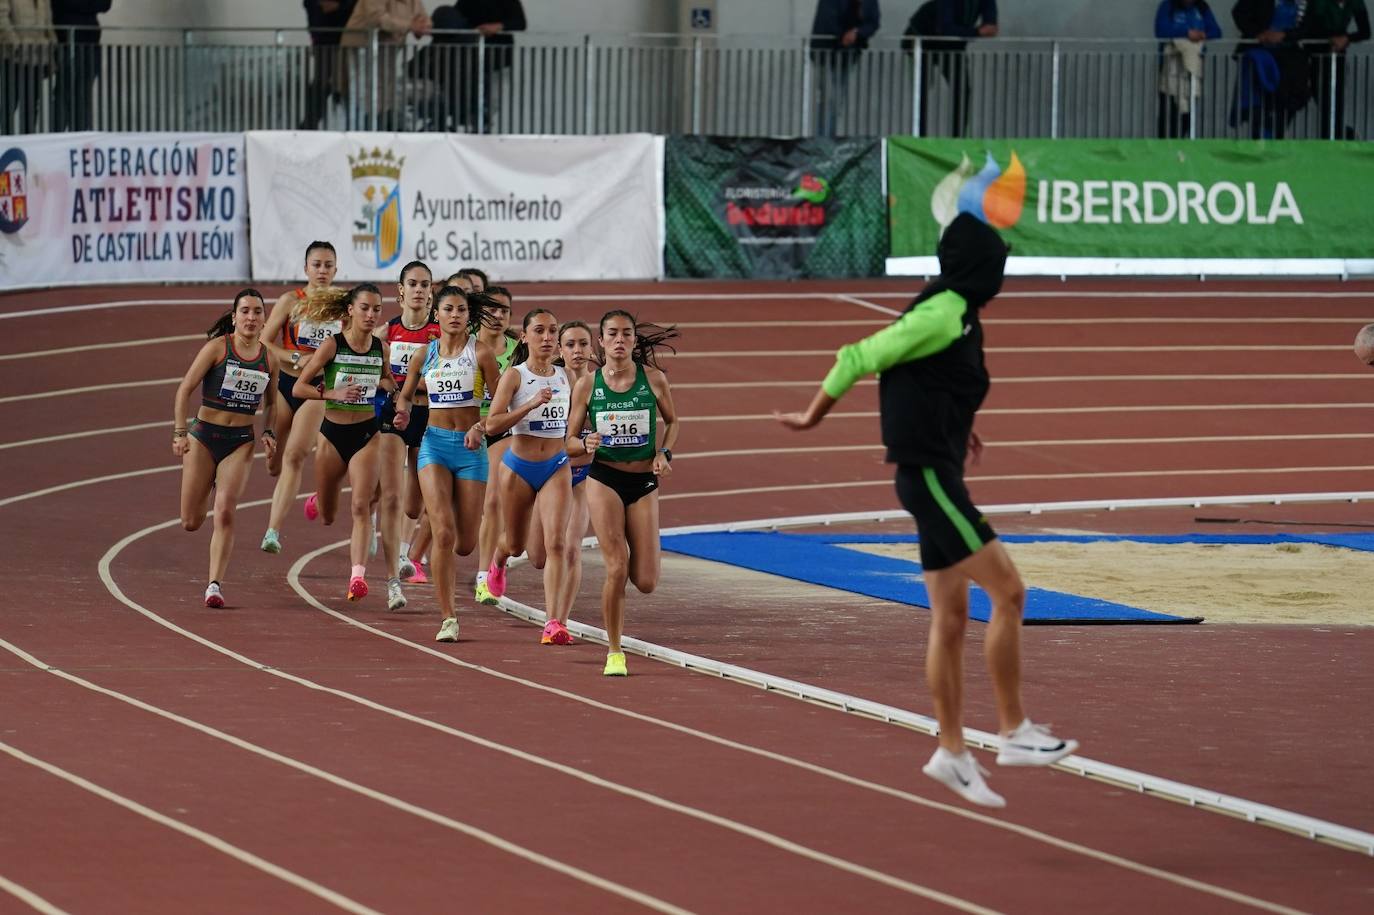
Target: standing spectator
1274,75
394,19
26,57
839,32
949,21
1330,21
78,61
1185,26
327,79
488,24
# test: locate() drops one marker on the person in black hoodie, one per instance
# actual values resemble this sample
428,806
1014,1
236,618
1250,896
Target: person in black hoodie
932,380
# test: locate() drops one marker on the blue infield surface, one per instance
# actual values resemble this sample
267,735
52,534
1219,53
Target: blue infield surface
819,559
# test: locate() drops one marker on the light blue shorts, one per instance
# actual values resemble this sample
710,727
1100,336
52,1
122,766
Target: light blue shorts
445,447
535,473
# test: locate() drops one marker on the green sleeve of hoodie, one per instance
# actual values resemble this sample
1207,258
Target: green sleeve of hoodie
923,331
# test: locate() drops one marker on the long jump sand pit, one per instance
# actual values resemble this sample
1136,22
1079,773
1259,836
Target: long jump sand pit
1289,583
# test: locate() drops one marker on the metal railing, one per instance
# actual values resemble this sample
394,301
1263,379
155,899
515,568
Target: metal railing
192,80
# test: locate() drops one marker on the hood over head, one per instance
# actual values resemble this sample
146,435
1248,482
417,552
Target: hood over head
972,260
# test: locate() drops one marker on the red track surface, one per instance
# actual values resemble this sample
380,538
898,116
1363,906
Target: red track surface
532,747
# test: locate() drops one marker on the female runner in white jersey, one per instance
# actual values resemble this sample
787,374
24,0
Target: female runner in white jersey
453,454
497,334
355,365
237,373
293,341
575,345
623,400
532,400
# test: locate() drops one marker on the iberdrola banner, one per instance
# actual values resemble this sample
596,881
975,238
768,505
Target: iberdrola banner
774,208
1195,199
520,208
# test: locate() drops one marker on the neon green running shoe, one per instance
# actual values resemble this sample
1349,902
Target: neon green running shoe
483,595
615,665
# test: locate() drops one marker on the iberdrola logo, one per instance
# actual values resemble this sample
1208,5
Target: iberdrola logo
812,189
994,196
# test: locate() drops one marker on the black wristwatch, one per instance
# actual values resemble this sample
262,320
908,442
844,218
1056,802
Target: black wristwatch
667,455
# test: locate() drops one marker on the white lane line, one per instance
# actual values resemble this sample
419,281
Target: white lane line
293,578
1045,443
872,306
324,775
116,345
1170,319
40,396
1014,350
99,306
1008,477
90,481
779,324
589,778
87,434
1057,411
32,899
1163,294
220,845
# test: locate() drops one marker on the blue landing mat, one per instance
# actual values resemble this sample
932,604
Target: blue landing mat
816,558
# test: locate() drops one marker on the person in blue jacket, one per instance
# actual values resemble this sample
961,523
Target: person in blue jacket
1184,26
839,32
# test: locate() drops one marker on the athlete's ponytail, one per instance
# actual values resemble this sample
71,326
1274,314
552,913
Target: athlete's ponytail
225,325
648,338
331,303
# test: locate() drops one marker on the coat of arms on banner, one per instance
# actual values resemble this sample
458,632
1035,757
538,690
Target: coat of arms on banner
376,206
14,191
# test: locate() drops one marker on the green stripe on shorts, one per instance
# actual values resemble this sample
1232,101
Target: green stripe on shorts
961,524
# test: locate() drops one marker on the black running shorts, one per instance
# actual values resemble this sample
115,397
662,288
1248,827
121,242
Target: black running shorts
950,526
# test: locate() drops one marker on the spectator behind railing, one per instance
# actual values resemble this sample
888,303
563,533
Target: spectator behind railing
1330,21
26,58
328,81
839,32
1186,26
78,61
393,19
1275,80
949,21
455,65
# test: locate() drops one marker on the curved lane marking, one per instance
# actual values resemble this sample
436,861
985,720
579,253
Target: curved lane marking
293,578
239,854
324,775
589,778
138,427
101,306
88,347
88,389
32,899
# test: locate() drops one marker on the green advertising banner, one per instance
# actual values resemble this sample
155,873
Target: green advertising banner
774,208
1137,198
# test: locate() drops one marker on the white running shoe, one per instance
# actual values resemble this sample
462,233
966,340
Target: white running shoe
962,775
1033,745
406,570
213,597
448,630
395,600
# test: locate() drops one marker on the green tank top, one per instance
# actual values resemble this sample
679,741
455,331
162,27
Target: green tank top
627,422
502,362
352,367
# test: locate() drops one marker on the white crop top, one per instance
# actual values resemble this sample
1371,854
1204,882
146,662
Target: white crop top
551,419
451,380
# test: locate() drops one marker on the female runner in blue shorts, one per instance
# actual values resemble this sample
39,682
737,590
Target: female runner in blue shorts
453,453
532,400
236,373
622,401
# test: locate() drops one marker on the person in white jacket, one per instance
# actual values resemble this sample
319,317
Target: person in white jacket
26,57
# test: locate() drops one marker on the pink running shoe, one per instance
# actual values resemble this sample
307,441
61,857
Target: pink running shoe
357,588
419,578
312,506
496,580
555,633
